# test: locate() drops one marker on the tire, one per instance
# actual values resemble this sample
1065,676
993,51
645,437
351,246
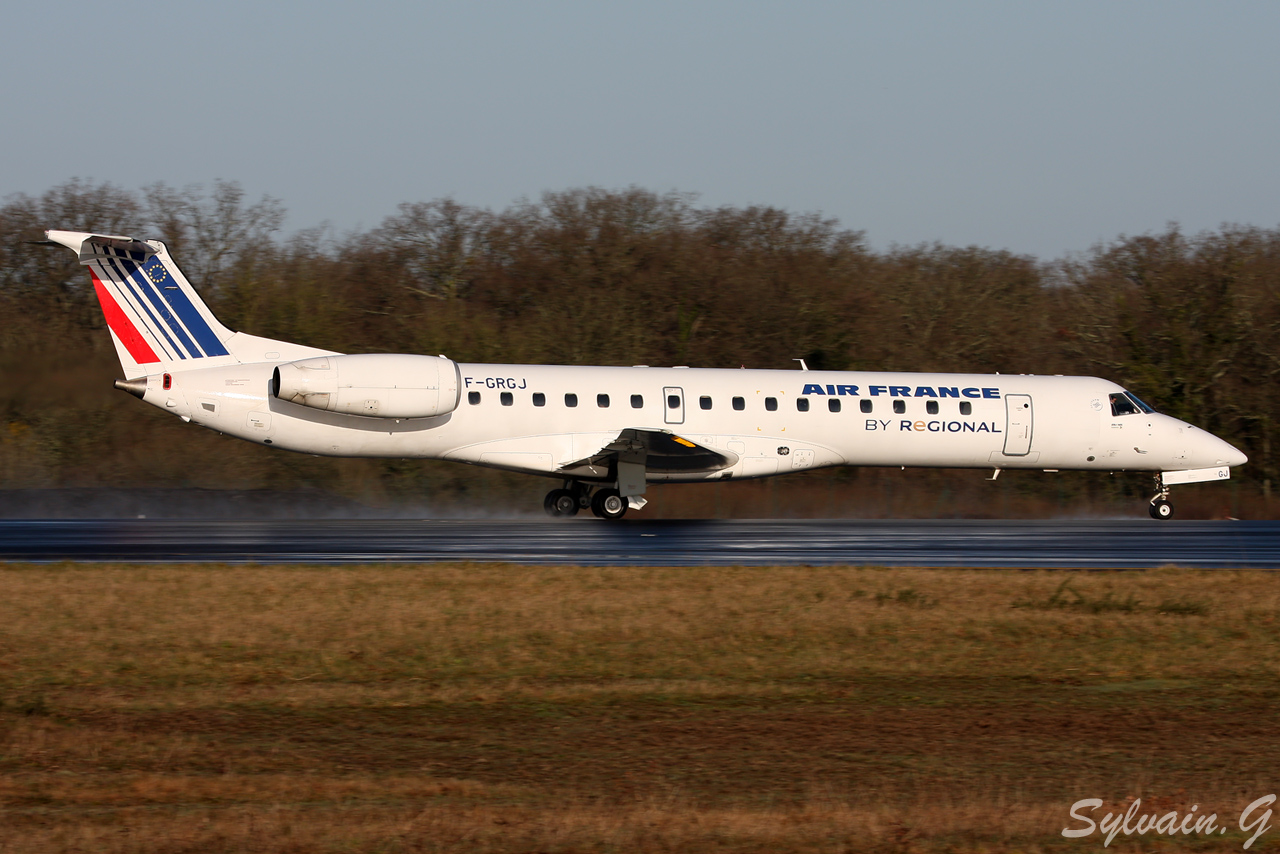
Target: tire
1161,509
560,502
608,504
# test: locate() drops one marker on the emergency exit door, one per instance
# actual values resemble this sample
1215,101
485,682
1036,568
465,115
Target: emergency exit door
673,404
1018,425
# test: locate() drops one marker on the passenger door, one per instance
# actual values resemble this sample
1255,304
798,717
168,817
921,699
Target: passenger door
1018,425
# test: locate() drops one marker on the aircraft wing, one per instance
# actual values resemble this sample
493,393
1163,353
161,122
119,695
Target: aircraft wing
657,451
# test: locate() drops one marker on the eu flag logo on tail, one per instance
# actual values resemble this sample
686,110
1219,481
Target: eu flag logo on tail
156,272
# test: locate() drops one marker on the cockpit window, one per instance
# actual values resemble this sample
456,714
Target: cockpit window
1122,405
1139,403
1128,403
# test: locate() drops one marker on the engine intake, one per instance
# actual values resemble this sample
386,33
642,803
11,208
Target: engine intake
376,385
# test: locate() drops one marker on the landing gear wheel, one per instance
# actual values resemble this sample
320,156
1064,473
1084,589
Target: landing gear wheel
1161,509
608,504
560,502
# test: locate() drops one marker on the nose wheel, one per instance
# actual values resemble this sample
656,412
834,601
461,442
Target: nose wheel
1161,507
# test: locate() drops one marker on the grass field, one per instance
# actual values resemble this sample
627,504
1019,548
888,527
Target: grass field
497,708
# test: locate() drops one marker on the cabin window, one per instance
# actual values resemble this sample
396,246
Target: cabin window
673,401
739,404
704,402
771,404
1122,405
899,406
833,403
539,399
931,407
637,401
602,401
966,408
571,400
473,397
506,398
802,404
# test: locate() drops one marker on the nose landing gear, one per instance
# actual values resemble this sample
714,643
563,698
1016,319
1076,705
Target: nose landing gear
1161,507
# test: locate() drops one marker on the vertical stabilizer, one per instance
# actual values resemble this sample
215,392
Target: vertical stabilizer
157,320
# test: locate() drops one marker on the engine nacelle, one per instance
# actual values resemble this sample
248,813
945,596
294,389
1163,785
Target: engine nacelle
375,384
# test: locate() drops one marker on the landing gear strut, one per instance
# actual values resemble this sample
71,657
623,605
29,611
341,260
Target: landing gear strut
1161,507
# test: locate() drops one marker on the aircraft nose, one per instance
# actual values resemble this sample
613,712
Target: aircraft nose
1232,456
1224,453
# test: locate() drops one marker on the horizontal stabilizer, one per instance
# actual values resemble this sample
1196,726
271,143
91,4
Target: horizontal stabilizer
90,246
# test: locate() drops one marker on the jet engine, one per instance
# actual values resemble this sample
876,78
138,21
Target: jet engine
375,384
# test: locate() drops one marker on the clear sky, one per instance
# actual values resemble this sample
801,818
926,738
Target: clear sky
1036,127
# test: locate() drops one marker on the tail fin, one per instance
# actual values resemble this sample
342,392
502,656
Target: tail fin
157,320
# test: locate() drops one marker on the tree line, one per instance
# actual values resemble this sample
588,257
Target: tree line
1191,323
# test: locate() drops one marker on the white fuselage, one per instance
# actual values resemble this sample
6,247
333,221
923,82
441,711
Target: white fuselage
609,431
981,421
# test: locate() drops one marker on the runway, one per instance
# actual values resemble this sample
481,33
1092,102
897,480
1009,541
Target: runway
940,543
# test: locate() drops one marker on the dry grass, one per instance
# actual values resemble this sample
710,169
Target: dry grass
507,708
189,626
657,825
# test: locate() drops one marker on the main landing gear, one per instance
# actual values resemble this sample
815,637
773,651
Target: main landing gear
1161,507
560,502
605,503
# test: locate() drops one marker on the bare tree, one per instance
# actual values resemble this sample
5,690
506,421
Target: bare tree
36,281
435,246
210,234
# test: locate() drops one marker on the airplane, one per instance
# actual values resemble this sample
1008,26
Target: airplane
607,432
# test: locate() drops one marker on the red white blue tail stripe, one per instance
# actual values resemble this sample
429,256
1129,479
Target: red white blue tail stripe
146,288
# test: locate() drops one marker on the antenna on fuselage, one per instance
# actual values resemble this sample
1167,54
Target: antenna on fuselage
803,366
